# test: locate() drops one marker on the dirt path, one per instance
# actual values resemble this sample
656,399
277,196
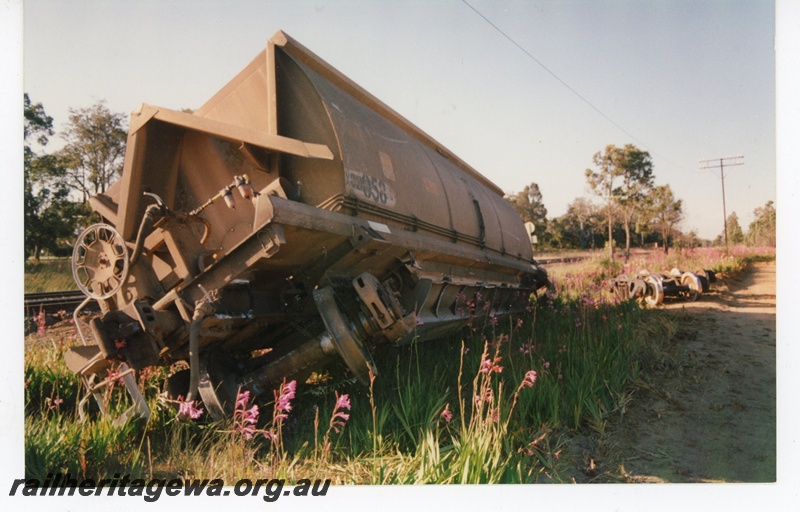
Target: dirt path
709,416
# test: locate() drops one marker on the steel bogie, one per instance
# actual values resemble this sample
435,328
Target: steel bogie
692,282
653,289
292,220
706,278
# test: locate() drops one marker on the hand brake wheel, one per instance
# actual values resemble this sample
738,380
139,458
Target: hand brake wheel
100,261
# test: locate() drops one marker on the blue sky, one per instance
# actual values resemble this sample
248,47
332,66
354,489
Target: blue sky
685,80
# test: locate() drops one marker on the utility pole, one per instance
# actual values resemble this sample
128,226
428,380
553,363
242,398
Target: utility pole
721,163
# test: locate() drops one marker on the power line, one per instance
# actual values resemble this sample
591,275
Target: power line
729,161
569,87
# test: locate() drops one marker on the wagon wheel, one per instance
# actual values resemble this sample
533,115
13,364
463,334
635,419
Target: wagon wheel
704,279
655,290
693,283
100,261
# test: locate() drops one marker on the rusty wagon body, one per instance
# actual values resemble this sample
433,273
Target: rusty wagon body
291,219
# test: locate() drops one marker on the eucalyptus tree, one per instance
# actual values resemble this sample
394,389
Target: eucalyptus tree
49,214
666,211
95,148
762,231
528,204
581,219
735,232
622,180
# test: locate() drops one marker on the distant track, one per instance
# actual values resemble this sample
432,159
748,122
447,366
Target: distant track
52,302
571,259
575,259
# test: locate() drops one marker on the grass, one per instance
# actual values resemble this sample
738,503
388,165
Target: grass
468,409
50,275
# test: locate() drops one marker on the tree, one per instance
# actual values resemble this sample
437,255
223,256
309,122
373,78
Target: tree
528,204
581,220
624,176
762,230
49,215
636,184
37,122
735,233
690,240
643,222
602,183
95,149
557,236
633,169
666,212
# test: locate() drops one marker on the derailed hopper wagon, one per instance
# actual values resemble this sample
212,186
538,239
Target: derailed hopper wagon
291,219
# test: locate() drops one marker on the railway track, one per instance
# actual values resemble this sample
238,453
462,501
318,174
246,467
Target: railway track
576,259
53,302
570,259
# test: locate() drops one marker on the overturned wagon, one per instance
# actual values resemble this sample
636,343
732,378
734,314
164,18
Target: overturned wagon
293,218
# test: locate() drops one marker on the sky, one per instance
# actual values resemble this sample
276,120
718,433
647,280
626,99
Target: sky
523,91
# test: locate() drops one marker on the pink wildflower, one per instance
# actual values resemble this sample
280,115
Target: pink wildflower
547,364
342,401
485,396
244,419
56,403
189,409
114,374
339,417
248,420
488,366
242,399
283,400
529,380
446,414
41,322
